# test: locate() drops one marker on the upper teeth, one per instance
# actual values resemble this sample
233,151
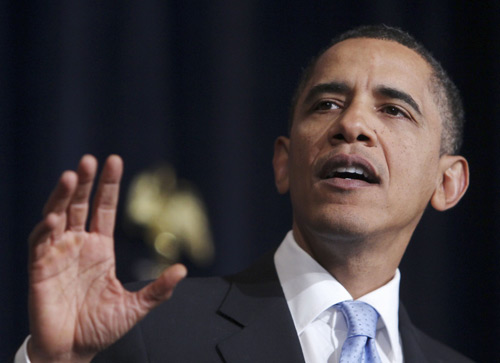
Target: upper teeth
351,169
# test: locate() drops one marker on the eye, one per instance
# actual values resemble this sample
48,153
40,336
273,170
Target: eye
395,111
326,105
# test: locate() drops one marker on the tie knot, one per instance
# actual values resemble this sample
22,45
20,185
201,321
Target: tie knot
361,318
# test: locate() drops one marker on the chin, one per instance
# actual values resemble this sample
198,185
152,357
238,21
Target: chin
343,230
339,226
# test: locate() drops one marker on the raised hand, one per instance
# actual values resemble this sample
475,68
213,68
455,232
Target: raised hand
77,306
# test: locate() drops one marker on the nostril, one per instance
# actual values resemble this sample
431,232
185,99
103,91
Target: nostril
339,137
362,138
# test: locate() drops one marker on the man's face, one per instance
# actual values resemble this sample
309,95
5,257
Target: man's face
363,154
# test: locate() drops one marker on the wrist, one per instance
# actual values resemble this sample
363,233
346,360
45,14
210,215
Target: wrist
36,355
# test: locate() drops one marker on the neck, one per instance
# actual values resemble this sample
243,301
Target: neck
361,265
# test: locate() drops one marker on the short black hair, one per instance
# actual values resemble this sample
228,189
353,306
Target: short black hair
447,95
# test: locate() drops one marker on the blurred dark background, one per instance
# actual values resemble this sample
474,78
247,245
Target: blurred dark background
205,86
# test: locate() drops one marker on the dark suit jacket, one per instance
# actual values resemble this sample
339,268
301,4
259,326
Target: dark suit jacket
240,318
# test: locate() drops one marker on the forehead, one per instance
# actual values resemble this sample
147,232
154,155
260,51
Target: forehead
368,63
374,54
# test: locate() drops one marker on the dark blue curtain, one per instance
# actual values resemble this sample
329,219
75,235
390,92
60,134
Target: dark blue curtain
205,85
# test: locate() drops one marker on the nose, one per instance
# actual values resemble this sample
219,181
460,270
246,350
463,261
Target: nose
355,124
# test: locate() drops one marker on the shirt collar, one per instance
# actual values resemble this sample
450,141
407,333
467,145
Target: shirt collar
306,283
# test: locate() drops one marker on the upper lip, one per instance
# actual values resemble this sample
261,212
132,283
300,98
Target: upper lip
348,166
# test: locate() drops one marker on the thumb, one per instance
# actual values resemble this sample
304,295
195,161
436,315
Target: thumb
162,288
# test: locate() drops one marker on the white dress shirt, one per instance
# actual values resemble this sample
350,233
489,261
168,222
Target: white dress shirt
311,292
22,353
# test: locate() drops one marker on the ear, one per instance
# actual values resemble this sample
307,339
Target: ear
280,164
453,184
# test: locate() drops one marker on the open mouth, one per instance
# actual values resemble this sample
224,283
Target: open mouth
348,170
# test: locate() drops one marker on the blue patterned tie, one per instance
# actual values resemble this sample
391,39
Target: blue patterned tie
361,321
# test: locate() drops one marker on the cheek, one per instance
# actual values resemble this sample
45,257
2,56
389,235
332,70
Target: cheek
305,148
415,173
412,160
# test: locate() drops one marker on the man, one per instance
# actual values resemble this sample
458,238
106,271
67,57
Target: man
374,133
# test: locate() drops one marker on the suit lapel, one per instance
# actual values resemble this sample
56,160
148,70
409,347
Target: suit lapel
412,350
256,303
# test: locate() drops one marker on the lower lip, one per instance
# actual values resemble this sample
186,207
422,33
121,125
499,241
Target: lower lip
347,184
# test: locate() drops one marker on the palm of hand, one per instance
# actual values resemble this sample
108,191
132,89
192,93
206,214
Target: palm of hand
77,306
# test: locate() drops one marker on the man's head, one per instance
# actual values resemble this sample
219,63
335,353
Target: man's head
364,156
446,93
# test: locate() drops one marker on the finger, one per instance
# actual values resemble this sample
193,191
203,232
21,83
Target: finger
106,198
79,205
44,229
44,232
162,288
61,195
58,201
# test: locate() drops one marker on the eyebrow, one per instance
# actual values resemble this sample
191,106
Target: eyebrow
343,89
331,87
400,95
